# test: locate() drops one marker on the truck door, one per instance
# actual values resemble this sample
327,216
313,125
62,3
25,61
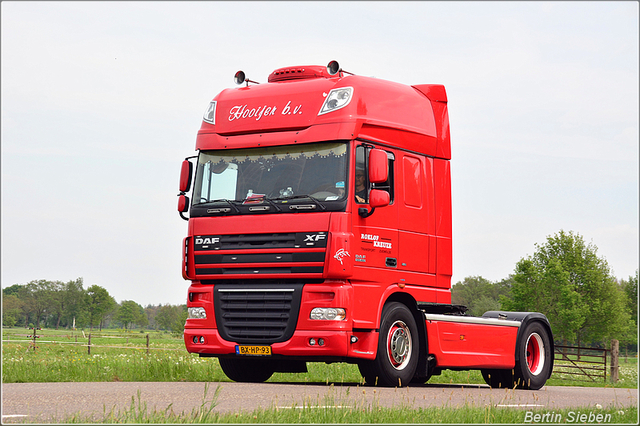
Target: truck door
376,239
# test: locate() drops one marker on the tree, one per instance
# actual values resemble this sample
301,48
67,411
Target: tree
479,294
167,315
38,299
177,327
13,289
57,301
130,313
630,289
573,287
22,293
75,301
11,306
99,303
152,312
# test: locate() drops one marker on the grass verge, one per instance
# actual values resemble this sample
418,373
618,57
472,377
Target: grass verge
334,411
119,356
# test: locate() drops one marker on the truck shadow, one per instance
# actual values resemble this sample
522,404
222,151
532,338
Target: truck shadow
411,385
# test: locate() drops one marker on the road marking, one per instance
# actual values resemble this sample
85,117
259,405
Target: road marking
316,406
519,405
14,415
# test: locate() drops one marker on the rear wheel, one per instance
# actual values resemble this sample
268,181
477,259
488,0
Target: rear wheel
534,365
397,355
498,378
247,370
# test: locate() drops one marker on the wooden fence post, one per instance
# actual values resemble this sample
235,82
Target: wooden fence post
34,339
615,352
147,344
89,345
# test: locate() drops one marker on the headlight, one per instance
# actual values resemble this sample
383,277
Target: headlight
210,113
331,314
336,99
197,313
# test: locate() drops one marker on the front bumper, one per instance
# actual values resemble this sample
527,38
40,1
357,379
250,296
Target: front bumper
337,344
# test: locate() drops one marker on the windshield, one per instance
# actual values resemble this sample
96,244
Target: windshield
277,173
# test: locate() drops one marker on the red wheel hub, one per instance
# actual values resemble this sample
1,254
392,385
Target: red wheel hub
535,354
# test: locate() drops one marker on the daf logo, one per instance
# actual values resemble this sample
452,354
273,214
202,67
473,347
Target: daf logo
314,238
207,240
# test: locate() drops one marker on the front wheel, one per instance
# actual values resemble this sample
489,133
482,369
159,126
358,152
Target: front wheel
247,370
397,355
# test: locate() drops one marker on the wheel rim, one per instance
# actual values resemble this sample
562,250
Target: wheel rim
535,354
399,345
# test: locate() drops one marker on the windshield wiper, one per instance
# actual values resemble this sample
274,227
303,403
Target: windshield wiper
314,199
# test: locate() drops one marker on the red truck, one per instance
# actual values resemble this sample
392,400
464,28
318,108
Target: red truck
320,231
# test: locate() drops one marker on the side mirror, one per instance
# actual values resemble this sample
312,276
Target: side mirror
186,171
379,198
183,203
378,166
185,176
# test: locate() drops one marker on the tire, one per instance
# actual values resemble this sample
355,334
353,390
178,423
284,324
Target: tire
420,380
534,365
397,355
247,370
498,378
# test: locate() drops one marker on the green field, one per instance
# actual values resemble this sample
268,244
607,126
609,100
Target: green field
63,356
122,356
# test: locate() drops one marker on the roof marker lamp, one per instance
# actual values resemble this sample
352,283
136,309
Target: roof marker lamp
210,113
328,314
336,99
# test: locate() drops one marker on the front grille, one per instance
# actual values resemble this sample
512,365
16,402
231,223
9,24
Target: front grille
260,254
249,314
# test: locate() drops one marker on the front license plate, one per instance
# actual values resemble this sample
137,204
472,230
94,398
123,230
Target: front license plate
253,350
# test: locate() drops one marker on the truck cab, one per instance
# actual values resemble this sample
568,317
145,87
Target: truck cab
319,225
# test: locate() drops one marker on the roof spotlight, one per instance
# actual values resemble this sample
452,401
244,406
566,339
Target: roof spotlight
333,68
241,77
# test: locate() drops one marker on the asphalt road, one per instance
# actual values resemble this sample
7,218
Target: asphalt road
53,402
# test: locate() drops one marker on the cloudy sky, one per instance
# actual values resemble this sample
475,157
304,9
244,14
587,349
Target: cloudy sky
101,101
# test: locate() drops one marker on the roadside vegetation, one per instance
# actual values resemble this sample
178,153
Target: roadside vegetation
337,407
333,410
122,356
